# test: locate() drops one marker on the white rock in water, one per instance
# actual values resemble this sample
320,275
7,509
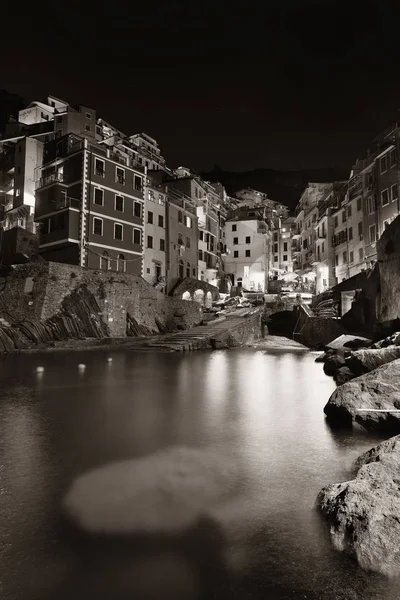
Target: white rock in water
81,367
109,360
165,492
39,369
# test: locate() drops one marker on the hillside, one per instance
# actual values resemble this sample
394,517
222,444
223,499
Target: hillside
283,186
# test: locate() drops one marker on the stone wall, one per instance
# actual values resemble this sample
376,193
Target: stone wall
36,291
315,331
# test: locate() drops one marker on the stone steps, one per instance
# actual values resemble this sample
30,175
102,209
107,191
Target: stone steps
192,339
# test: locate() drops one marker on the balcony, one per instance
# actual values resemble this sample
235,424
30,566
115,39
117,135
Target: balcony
49,180
68,202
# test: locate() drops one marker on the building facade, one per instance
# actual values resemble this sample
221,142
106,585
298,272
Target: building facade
155,236
248,241
90,206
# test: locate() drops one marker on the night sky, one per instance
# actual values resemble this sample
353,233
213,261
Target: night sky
303,84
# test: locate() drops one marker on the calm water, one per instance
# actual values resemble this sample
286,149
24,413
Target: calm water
270,543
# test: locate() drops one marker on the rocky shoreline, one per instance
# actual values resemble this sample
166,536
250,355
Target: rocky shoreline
364,513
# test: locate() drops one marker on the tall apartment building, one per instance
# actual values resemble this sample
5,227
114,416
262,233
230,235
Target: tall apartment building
282,246
182,238
305,239
89,204
155,235
379,176
249,240
206,201
324,249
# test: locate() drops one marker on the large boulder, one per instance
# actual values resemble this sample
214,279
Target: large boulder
363,361
369,401
364,514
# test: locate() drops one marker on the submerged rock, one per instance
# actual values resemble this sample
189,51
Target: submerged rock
165,492
357,401
364,514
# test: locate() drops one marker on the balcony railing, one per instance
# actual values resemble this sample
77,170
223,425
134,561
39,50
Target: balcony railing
67,202
49,179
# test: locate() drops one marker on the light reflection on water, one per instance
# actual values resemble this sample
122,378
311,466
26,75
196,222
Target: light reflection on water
267,542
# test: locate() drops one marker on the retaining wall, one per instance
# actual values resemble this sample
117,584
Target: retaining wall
38,291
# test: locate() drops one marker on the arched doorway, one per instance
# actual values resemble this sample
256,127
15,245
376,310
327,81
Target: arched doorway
105,261
199,296
186,296
121,263
208,300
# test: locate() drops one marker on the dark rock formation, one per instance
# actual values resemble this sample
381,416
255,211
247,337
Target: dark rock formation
333,362
343,375
364,514
391,340
364,361
355,403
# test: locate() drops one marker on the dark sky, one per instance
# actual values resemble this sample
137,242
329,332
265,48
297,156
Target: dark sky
302,84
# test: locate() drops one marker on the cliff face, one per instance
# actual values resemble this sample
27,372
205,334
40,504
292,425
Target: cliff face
388,250
285,187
